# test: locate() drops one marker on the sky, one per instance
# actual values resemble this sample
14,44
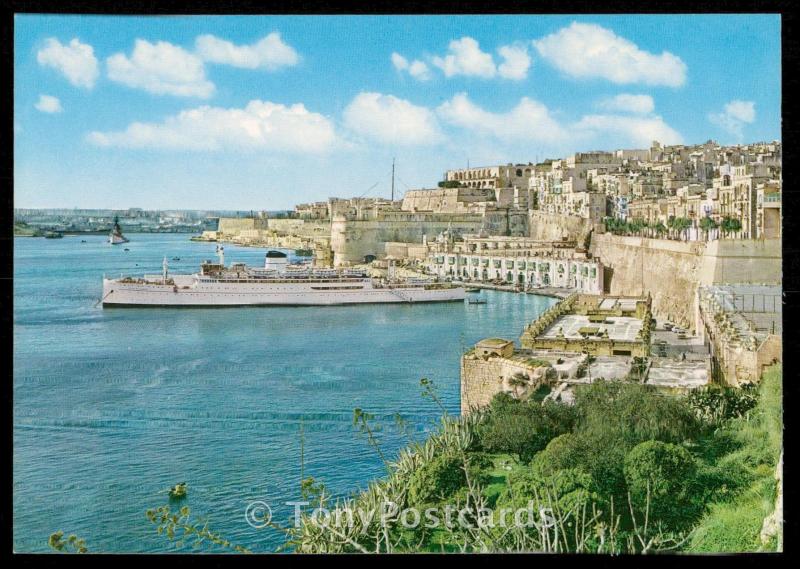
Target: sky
263,112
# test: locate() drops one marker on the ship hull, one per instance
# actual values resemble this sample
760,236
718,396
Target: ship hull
116,294
116,240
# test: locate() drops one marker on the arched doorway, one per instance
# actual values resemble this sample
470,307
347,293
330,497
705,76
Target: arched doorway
509,277
521,278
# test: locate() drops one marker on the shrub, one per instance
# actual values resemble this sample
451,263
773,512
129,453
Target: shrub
663,474
634,412
436,480
564,490
523,428
717,404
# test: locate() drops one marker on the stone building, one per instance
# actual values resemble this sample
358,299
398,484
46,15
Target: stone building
520,261
507,176
593,324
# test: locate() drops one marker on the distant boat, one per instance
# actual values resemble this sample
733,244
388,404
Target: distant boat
476,300
53,235
472,289
176,258
116,237
83,240
127,249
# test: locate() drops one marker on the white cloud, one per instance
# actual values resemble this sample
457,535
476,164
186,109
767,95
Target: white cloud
269,53
529,120
48,104
261,125
400,63
532,122
391,120
589,50
516,62
466,58
76,61
627,103
162,69
639,131
734,116
417,69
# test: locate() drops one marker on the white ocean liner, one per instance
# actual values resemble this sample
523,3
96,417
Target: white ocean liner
276,284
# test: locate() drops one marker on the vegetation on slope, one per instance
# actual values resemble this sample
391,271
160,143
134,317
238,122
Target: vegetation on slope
626,469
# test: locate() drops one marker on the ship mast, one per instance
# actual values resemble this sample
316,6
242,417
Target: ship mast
392,179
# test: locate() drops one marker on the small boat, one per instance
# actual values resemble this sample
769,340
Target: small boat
178,491
53,235
476,301
472,289
176,258
127,249
83,240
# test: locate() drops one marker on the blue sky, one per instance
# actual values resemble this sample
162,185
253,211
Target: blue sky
266,112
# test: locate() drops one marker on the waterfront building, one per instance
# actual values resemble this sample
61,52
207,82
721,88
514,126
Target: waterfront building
518,261
593,324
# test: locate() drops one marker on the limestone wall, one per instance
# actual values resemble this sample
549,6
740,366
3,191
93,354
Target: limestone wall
482,379
671,271
743,261
301,227
554,227
234,225
352,240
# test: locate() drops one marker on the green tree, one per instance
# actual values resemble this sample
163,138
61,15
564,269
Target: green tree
436,480
660,477
730,225
569,487
707,224
634,412
523,428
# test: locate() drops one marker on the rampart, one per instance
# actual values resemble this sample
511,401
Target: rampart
671,271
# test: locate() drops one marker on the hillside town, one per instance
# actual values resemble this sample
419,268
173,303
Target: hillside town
691,231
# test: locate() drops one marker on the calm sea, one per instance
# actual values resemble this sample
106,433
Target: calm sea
113,406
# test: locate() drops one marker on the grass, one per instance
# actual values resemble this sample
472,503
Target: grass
754,445
504,465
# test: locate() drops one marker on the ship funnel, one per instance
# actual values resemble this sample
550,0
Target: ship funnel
221,254
275,261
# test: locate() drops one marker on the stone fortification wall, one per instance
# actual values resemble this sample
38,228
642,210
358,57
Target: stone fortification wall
230,226
554,227
671,271
300,227
352,240
482,379
445,200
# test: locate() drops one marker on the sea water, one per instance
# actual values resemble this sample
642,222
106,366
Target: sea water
114,406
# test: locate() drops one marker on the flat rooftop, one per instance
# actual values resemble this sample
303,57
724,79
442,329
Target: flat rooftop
669,372
619,328
755,308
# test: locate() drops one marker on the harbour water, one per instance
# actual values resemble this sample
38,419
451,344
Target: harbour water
112,407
